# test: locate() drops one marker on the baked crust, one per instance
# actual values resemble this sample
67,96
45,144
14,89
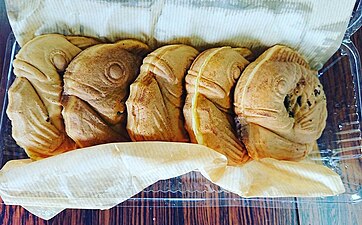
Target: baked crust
100,77
38,68
280,106
208,107
157,96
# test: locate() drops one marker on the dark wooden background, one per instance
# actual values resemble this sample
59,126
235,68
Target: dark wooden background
145,213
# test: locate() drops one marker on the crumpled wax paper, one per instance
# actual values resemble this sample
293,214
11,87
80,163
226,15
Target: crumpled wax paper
102,176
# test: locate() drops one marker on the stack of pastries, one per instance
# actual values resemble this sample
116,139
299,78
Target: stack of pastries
72,92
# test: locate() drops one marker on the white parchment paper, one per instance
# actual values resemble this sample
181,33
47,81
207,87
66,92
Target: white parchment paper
314,28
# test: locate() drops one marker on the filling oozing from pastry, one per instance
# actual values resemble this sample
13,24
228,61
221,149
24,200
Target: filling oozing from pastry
301,98
280,106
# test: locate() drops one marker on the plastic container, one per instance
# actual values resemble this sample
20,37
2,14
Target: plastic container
340,145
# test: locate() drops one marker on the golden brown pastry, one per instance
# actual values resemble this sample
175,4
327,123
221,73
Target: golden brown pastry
208,107
31,126
39,64
86,125
100,77
155,102
280,106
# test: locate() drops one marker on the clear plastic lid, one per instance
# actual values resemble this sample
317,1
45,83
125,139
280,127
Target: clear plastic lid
340,143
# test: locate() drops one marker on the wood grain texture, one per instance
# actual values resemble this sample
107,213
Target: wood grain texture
314,212
330,214
157,212
4,32
151,215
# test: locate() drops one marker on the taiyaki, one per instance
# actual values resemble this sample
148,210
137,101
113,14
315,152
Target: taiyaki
38,67
157,96
280,106
100,77
208,106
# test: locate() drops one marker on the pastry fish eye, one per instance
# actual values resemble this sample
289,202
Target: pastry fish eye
235,71
282,86
234,74
59,59
115,72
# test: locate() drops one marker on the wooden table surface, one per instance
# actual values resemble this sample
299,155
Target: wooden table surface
144,213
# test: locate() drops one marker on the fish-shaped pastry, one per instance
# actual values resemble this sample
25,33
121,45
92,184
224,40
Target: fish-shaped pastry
85,125
38,67
32,128
99,78
208,106
280,106
157,96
